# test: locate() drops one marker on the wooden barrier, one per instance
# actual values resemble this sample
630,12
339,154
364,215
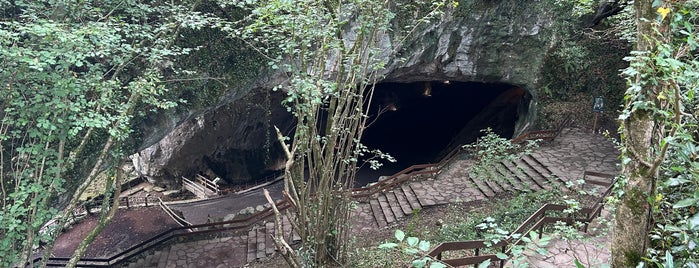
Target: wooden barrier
535,223
204,190
197,189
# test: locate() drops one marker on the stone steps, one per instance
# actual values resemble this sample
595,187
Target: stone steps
482,187
153,259
391,206
260,243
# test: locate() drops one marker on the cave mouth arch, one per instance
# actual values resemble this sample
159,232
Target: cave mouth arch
419,122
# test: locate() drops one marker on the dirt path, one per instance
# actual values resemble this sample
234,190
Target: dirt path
127,228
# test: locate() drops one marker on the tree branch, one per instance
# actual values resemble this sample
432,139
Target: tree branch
287,252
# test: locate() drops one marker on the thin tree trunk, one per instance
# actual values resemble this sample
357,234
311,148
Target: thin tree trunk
105,217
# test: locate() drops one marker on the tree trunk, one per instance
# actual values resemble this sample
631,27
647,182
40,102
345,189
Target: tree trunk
633,212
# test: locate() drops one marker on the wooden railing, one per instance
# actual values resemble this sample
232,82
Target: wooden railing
201,191
536,222
209,184
405,175
176,217
545,135
162,238
241,224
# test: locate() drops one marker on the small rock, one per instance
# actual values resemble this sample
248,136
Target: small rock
439,222
229,217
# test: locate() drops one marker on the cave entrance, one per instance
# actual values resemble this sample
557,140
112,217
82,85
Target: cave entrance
419,122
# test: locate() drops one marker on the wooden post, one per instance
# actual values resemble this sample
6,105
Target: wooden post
594,123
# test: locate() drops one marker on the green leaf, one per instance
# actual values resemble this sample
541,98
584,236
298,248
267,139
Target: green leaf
412,241
685,203
424,245
668,260
437,265
578,264
502,256
400,235
410,251
419,263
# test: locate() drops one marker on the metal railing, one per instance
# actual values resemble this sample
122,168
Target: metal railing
536,222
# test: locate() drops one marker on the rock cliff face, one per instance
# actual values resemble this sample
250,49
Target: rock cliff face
482,41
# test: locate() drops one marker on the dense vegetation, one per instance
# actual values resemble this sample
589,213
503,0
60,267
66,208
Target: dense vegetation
77,76
74,77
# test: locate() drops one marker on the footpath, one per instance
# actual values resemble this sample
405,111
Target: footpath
562,161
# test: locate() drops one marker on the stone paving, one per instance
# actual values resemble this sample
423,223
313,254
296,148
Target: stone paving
591,250
572,153
218,252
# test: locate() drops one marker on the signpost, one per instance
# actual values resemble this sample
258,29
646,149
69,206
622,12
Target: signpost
597,108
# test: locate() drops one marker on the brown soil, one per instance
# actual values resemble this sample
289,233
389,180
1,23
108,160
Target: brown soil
128,227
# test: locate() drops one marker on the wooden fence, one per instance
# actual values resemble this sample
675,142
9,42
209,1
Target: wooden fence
202,189
535,223
243,224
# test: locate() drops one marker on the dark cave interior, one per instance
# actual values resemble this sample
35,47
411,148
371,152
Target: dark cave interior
419,122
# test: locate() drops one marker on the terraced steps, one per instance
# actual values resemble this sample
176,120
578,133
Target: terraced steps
391,206
260,243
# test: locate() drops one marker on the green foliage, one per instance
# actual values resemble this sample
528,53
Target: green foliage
507,214
72,76
663,83
414,247
332,53
491,149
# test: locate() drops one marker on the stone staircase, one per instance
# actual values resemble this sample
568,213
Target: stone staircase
254,244
259,239
155,259
523,175
390,206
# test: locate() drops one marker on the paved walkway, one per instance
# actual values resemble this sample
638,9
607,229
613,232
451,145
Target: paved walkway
564,160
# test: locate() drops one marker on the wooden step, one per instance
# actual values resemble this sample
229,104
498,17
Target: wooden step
395,206
522,175
270,247
542,169
423,195
386,208
522,185
260,252
410,195
252,245
289,234
533,174
403,201
507,181
164,254
377,212
484,188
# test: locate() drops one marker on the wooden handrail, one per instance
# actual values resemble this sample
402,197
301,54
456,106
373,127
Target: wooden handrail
237,224
406,174
159,239
537,220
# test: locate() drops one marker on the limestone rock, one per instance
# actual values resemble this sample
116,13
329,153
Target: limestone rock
233,138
